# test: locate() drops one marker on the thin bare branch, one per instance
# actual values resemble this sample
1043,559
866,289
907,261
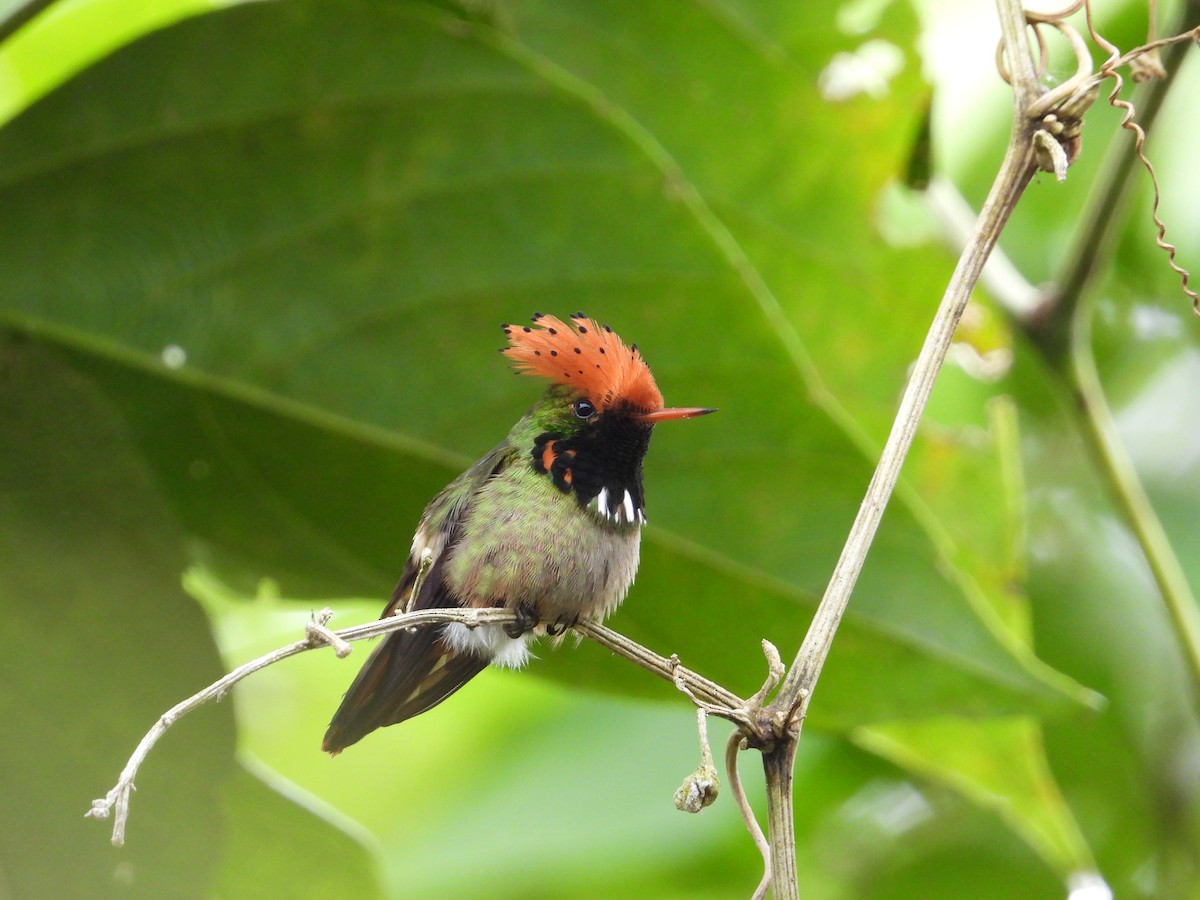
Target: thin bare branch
1018,67
1004,282
715,699
1015,173
778,763
732,748
720,701
786,713
116,801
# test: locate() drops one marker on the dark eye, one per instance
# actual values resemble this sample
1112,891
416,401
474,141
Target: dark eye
583,409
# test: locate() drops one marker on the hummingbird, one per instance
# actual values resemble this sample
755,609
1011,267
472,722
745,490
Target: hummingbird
547,524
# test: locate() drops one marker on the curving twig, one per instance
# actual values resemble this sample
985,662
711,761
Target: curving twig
116,801
732,748
716,699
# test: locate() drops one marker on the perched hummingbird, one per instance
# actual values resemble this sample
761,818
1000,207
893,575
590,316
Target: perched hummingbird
547,524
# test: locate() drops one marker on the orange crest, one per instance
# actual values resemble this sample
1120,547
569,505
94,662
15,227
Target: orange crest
586,356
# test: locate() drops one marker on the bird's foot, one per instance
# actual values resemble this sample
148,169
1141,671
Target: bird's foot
561,624
527,620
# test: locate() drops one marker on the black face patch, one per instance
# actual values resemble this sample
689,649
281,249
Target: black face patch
601,465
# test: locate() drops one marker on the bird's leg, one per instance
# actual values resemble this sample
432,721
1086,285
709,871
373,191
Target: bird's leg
527,620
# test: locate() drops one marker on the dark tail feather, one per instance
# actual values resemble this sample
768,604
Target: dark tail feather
410,672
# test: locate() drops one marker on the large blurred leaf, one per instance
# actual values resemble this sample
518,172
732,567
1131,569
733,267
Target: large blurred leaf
274,842
1000,764
99,641
328,231
737,95
1129,773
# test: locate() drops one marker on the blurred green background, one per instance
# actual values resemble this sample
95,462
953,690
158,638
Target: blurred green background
255,260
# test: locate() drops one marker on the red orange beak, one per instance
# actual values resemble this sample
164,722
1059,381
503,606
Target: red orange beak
666,415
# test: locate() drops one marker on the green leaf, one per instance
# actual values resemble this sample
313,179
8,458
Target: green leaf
51,47
1098,614
999,764
729,98
329,221
99,641
278,841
